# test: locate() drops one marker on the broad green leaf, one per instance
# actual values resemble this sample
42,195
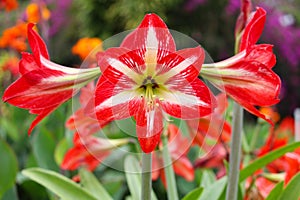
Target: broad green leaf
9,167
92,185
58,184
133,177
275,193
207,178
214,191
43,149
194,194
292,191
264,160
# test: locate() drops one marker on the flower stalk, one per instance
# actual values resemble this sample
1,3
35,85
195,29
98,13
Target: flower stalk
235,152
146,176
169,172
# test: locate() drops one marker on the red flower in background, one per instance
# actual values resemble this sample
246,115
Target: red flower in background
248,77
44,85
80,122
178,147
89,151
147,78
211,129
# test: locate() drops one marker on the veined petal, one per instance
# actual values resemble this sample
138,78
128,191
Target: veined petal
253,29
27,63
181,66
112,101
190,101
248,82
152,34
149,126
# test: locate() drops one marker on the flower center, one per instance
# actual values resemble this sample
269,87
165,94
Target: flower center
149,89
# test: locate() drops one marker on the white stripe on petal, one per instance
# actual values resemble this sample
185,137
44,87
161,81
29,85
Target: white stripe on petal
120,98
180,67
183,99
152,41
123,68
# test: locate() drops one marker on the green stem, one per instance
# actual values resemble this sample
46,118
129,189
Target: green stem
235,153
146,176
169,172
255,135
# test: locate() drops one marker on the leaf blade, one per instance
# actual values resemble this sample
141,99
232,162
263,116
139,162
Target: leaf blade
58,184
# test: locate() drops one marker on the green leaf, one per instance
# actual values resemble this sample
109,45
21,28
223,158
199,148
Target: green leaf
264,160
92,185
133,177
214,191
43,149
9,167
58,184
194,194
60,150
292,192
207,178
275,193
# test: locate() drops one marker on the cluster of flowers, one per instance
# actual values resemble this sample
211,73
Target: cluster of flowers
148,79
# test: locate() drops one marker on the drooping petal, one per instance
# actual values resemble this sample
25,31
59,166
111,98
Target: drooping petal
181,66
253,29
190,101
151,34
149,126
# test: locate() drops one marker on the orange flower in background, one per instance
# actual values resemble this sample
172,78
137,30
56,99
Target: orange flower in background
11,64
15,37
271,113
36,12
8,5
85,45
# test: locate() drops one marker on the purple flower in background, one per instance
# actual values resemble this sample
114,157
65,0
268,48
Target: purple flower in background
192,4
281,30
58,14
233,7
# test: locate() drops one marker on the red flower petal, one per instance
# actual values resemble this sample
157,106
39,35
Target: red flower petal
190,101
112,101
181,66
152,34
262,53
149,126
37,45
253,29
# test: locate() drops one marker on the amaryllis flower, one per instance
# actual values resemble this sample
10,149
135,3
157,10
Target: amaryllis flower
247,77
89,151
44,85
147,78
178,148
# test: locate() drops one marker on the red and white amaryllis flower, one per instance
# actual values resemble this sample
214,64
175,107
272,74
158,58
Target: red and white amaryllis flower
147,78
44,85
247,77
